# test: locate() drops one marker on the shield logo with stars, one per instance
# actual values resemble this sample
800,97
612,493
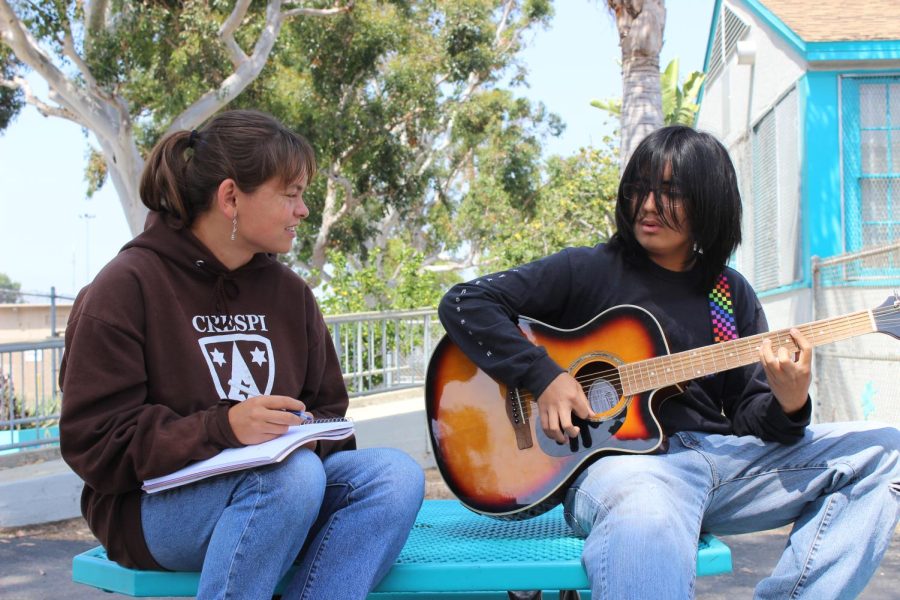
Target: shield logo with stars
241,365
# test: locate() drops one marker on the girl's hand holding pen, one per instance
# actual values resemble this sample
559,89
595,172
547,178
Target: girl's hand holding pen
262,418
306,417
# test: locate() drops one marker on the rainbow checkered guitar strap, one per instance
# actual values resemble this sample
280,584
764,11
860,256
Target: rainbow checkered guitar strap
721,311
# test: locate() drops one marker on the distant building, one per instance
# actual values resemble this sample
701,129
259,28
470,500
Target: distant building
32,322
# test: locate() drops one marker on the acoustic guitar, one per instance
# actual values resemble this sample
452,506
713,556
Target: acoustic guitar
487,437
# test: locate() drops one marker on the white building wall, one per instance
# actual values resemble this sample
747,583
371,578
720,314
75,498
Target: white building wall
738,96
788,309
748,88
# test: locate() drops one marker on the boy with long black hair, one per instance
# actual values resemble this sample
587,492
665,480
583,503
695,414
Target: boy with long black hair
742,454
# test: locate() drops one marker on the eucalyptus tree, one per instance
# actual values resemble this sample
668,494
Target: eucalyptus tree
401,99
407,104
641,24
129,72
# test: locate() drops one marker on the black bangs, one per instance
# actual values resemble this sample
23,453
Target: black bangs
656,169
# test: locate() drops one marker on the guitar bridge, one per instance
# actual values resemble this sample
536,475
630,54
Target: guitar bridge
516,410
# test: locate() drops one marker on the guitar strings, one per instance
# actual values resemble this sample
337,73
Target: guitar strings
849,324
780,337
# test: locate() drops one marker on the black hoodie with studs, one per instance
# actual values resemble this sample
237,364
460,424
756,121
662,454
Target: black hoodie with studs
570,288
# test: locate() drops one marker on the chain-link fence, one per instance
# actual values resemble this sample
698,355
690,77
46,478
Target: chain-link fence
856,379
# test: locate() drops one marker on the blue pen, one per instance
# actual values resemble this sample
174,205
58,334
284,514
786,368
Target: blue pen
307,417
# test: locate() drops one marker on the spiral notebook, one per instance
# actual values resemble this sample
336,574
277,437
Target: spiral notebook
257,455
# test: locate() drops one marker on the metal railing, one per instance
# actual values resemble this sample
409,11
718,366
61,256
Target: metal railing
384,351
29,393
378,352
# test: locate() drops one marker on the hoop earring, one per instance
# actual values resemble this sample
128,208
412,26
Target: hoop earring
234,228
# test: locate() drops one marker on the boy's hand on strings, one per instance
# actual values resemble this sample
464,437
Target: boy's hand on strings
556,404
262,418
789,373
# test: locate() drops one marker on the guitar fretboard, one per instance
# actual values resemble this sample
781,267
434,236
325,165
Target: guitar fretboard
663,371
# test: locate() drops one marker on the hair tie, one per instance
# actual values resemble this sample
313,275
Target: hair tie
193,138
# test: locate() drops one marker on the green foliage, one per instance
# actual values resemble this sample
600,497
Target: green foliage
160,57
156,58
383,94
679,103
504,132
393,279
424,152
468,47
538,10
575,206
10,406
11,100
95,171
9,290
375,113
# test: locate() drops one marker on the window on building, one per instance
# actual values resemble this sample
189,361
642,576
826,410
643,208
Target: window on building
774,203
870,120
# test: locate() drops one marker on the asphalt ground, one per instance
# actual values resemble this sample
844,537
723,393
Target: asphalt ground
35,562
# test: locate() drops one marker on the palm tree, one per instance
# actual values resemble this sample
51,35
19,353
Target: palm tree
679,103
641,24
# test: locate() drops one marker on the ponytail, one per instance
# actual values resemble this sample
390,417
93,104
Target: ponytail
163,181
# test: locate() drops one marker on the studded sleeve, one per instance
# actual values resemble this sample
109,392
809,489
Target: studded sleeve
480,317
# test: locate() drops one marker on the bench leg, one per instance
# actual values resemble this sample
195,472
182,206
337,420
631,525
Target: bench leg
537,594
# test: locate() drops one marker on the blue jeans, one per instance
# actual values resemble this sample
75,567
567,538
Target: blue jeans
839,486
344,520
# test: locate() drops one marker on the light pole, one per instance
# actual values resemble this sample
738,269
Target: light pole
87,245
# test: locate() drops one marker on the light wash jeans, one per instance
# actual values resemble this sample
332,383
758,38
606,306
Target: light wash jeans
641,515
346,518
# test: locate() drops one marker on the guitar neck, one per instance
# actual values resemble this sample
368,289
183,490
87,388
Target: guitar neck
668,370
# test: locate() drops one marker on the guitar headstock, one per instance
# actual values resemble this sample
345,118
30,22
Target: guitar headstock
887,316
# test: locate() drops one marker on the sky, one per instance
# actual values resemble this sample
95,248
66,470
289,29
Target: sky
52,235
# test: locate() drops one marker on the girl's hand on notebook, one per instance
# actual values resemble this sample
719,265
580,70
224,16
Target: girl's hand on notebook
262,418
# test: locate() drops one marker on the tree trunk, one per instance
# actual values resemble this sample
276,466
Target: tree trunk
641,24
125,164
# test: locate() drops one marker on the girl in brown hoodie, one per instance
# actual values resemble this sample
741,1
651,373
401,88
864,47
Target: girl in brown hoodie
194,339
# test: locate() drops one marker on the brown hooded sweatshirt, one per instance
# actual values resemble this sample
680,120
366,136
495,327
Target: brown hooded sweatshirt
158,347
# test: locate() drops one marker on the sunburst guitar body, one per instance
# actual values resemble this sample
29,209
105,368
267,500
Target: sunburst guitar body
487,437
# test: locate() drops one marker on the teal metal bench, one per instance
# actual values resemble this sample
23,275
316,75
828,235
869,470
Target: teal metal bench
450,550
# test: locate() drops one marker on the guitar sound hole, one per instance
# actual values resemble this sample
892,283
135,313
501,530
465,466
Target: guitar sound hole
601,394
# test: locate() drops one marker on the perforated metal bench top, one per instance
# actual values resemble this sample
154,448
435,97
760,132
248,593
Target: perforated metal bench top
450,549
